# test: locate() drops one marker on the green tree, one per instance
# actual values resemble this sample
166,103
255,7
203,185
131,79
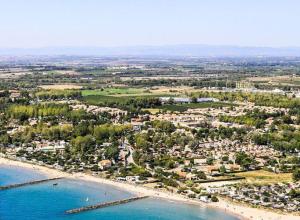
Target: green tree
82,145
296,174
111,152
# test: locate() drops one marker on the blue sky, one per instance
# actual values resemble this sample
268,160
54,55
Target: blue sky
46,23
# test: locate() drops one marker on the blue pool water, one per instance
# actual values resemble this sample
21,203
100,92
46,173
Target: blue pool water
45,201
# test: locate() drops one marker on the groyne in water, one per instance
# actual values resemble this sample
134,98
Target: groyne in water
27,183
103,205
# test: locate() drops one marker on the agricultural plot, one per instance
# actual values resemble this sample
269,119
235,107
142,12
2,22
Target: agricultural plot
286,80
125,91
60,86
101,99
120,95
114,92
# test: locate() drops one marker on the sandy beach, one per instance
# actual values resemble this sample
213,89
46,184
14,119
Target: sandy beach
242,211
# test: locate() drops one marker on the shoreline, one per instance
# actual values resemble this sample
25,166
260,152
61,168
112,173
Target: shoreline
241,211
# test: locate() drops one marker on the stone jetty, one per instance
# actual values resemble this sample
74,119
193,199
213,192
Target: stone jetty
27,183
103,205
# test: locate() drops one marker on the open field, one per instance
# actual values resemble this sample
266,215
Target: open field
101,99
152,110
115,92
60,86
12,75
123,94
176,89
265,177
126,91
277,80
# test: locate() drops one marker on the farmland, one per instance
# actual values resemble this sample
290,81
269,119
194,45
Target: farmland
61,86
115,92
121,95
131,91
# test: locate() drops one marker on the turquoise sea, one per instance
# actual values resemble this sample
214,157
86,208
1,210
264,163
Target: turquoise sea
45,201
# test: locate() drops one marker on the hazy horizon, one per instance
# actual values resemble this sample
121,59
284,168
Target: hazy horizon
183,50
126,23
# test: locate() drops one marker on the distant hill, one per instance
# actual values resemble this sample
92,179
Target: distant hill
170,50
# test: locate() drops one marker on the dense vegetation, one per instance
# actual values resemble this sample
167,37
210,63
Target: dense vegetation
58,94
253,118
286,140
260,99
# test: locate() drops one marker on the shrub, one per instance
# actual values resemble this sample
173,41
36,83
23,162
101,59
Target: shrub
214,199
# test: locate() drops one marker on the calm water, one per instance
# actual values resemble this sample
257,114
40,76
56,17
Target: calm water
45,201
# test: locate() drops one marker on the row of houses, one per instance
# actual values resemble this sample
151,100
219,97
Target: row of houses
185,100
276,196
96,109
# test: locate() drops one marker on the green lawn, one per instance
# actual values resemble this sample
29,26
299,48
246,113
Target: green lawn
101,99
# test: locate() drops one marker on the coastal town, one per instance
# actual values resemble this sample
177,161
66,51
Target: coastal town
150,110
238,144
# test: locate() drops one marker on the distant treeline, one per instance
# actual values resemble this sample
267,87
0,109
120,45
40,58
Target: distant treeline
193,82
58,94
260,99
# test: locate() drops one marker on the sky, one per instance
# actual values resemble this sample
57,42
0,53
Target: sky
99,23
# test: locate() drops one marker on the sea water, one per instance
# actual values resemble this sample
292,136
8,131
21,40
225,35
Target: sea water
47,201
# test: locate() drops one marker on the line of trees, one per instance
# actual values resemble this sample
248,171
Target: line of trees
58,94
